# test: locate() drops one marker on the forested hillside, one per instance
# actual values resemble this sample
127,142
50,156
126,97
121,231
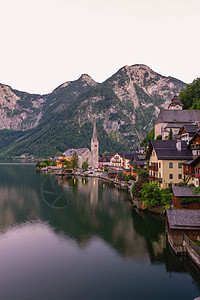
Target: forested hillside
125,106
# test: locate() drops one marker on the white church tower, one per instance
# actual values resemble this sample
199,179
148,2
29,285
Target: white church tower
95,148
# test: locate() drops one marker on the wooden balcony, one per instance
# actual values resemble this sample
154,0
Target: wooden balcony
153,178
153,167
195,147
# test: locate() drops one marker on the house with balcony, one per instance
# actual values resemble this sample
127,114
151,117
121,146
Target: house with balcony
116,161
188,131
104,160
191,171
166,159
194,144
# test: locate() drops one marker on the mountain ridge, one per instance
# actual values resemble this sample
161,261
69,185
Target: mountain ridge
125,105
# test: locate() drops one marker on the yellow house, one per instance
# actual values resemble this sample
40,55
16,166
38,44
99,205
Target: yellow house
165,161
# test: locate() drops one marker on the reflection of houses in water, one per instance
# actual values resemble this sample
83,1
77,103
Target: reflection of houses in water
94,190
86,187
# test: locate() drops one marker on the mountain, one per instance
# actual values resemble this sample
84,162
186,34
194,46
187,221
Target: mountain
126,106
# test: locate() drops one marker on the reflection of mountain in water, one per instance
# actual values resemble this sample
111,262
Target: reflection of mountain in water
97,209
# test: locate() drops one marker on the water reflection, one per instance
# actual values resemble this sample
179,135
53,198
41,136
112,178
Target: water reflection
98,224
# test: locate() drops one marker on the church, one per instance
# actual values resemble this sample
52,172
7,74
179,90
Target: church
84,154
174,118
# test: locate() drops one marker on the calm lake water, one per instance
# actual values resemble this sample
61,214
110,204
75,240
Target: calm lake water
78,239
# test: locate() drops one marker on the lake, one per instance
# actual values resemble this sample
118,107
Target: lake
77,238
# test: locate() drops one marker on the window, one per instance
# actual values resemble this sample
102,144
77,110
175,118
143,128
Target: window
170,165
170,176
179,176
159,175
179,165
186,168
159,165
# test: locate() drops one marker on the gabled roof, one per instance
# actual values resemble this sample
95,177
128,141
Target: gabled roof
184,191
178,116
197,133
128,156
105,157
166,149
184,218
174,125
71,151
191,128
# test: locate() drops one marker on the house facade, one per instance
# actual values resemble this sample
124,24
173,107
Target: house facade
165,161
116,161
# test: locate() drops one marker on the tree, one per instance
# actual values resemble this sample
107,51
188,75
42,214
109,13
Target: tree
151,194
142,174
74,161
159,137
67,163
190,96
166,196
84,165
137,188
170,136
150,136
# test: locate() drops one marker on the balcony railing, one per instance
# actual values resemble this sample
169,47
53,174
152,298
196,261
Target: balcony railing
195,146
154,168
153,178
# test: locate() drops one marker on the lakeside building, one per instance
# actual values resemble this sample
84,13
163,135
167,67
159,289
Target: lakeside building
166,159
84,154
183,231
175,118
184,198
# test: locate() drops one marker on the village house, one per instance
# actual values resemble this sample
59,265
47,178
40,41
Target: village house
165,161
184,198
191,171
188,131
117,160
142,150
175,118
104,160
194,144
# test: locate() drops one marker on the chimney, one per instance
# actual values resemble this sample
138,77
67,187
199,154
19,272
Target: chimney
178,144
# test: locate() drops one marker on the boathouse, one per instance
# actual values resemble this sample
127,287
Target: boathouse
184,198
182,222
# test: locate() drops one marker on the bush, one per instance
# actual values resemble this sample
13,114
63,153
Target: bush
159,137
166,196
151,194
137,187
43,164
84,165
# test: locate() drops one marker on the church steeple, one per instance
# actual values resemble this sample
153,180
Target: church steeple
95,147
94,136
176,103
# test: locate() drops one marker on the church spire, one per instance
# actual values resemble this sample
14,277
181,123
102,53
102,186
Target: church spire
94,147
94,136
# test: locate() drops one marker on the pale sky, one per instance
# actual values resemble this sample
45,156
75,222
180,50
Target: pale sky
45,43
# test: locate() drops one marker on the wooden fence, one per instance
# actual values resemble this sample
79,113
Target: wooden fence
192,244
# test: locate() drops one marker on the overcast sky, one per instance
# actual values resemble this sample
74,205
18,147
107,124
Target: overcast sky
47,42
